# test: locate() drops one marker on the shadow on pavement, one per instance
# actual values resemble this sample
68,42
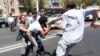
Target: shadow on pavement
43,53
54,53
83,54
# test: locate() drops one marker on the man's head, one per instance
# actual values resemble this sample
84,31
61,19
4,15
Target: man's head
71,5
30,13
34,14
43,20
22,18
43,12
25,13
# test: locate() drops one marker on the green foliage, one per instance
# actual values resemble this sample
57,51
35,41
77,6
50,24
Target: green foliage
28,4
97,2
41,4
65,2
84,2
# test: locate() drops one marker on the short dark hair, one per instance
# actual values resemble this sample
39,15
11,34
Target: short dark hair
34,12
42,21
71,5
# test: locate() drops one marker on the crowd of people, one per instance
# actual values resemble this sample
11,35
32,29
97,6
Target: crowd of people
32,27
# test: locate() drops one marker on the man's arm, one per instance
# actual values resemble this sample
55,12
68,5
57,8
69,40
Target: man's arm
44,31
22,28
57,26
94,23
95,16
58,18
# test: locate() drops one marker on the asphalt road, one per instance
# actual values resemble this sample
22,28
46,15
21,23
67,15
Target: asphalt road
89,46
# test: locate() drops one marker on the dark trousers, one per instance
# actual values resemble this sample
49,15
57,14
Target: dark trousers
39,42
29,48
38,36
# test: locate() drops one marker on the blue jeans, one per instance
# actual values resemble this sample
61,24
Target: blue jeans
39,41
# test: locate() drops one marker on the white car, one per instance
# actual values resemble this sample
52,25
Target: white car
53,17
3,22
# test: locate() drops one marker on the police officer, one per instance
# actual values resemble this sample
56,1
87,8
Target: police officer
22,32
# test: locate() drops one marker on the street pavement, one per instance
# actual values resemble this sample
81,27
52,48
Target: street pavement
89,46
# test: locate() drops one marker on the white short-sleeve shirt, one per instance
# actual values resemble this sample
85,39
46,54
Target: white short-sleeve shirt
30,19
35,26
10,19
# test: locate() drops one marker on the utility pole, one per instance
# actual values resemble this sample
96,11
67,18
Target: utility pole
37,6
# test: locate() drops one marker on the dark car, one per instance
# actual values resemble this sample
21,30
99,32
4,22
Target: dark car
3,22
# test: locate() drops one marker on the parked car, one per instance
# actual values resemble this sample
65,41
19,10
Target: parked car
3,22
53,17
54,10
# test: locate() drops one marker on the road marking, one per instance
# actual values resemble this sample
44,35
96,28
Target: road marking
12,47
9,49
19,45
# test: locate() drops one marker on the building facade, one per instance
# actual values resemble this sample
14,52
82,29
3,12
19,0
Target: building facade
13,6
51,3
9,6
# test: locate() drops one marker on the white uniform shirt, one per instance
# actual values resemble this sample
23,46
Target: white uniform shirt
35,26
10,19
38,16
73,24
30,19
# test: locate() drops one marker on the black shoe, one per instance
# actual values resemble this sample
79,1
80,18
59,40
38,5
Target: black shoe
60,35
41,48
54,53
70,55
22,55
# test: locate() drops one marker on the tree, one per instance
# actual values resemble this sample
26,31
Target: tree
41,4
88,2
82,2
27,4
65,2
97,2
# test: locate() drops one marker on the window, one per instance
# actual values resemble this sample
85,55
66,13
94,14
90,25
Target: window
1,10
20,2
52,1
4,2
52,11
0,2
56,0
12,10
12,2
55,4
